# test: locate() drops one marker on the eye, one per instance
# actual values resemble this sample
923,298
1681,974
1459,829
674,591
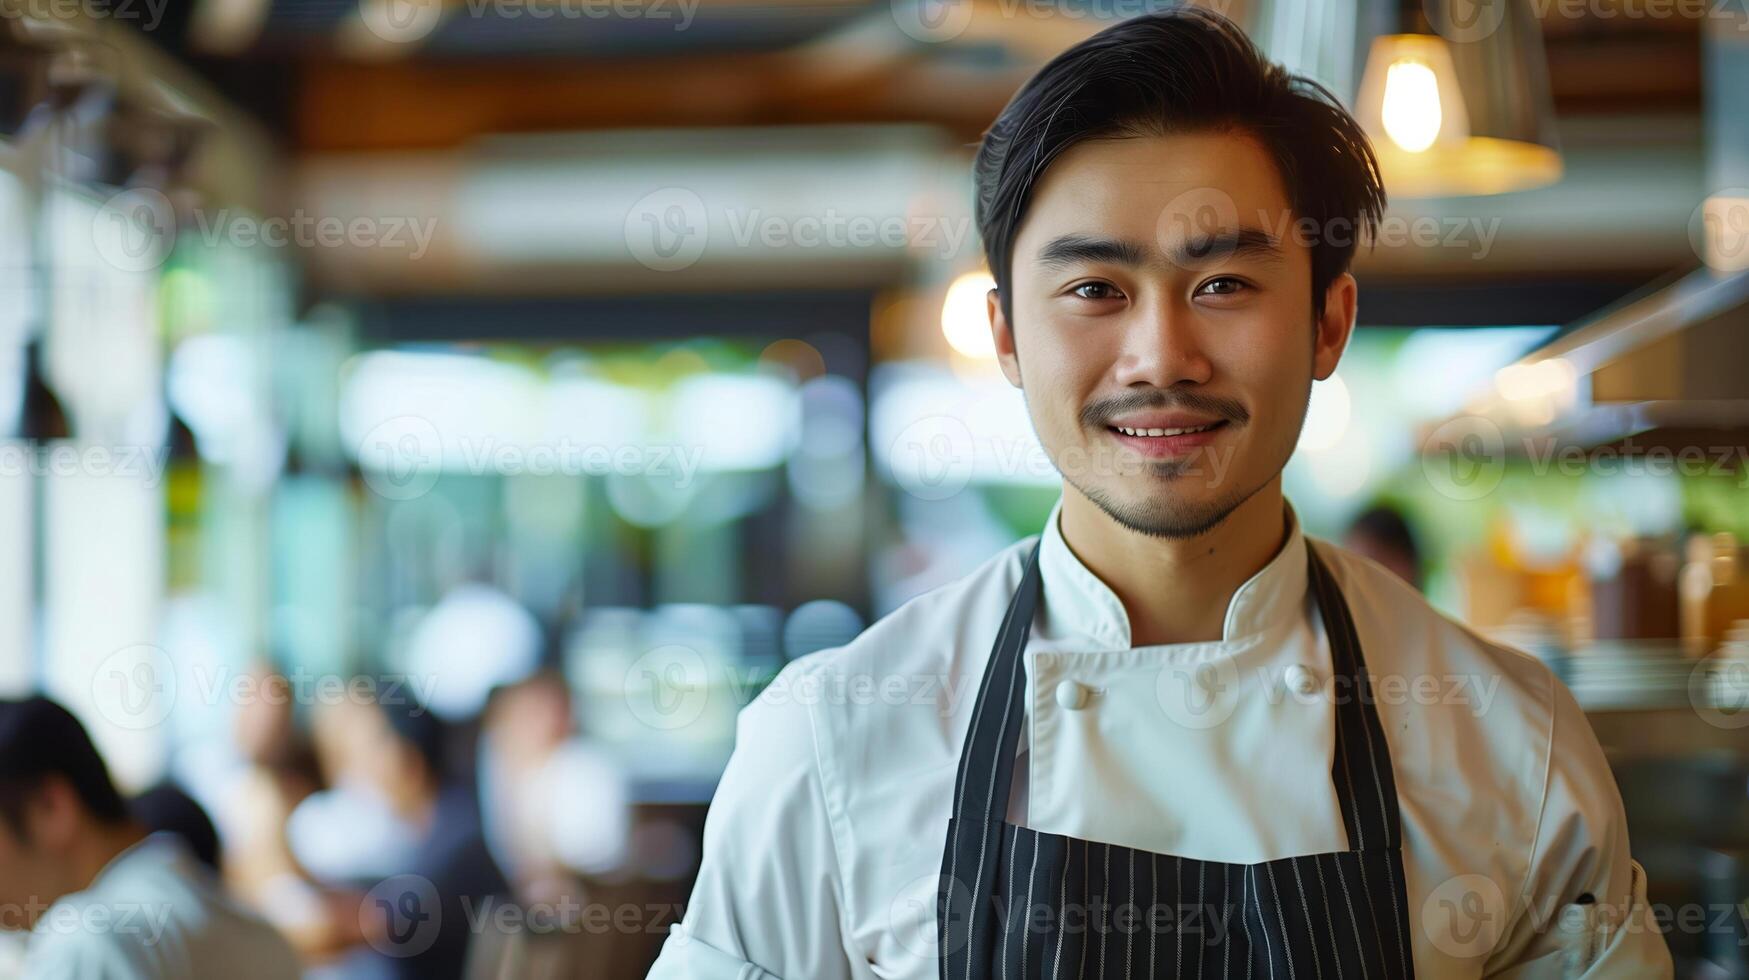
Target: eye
1095,290
1223,286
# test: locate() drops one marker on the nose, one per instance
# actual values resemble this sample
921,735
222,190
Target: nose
1163,345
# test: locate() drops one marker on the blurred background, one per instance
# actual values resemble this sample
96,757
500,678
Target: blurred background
568,366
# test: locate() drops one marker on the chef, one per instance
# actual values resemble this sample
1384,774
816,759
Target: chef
1170,735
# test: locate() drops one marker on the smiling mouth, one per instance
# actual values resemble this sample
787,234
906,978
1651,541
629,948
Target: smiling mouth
1167,432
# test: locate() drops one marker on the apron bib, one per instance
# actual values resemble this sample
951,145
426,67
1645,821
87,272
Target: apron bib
1016,903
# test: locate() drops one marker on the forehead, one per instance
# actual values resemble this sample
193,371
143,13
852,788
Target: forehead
1149,188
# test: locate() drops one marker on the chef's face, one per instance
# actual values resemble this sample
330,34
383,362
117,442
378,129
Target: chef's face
1162,283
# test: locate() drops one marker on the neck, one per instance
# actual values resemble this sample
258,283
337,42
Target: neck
94,850
1176,590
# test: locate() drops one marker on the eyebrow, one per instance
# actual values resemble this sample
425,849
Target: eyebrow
1066,250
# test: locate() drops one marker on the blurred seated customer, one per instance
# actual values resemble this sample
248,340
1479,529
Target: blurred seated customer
68,840
1382,533
166,808
417,921
557,817
280,771
554,804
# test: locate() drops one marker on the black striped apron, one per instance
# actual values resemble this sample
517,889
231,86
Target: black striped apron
1017,903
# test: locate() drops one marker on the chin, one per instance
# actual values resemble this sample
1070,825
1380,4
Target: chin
1162,513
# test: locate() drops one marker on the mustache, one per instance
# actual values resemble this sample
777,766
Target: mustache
1099,414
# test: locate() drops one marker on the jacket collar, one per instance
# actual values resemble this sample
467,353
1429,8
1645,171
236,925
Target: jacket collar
1079,606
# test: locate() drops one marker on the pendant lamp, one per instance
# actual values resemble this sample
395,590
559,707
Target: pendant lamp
1457,100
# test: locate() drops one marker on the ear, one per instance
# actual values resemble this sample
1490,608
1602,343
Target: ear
1335,326
1002,333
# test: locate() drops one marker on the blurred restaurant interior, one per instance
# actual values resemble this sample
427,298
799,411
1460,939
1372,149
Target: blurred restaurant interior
576,365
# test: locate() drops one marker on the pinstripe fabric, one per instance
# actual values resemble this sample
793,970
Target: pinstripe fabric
1017,903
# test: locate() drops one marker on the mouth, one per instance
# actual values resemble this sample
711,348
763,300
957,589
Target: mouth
1168,442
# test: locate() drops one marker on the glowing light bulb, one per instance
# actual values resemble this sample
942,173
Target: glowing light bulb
964,320
1411,114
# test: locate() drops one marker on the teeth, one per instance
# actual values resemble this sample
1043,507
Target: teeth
1165,432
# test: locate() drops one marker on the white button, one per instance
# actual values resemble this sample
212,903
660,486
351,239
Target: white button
1300,680
1073,695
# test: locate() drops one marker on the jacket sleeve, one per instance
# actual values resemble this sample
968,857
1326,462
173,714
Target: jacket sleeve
1582,912
767,901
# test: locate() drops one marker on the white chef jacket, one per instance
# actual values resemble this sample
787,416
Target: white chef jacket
823,846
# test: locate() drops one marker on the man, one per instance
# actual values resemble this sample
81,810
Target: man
1170,735
105,899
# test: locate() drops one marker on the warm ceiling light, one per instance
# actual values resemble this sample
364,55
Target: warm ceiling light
1460,117
965,318
1411,113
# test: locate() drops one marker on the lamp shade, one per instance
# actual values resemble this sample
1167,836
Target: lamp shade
1462,107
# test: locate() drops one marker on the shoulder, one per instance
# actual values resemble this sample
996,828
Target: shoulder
1462,710
891,697
1425,657
915,653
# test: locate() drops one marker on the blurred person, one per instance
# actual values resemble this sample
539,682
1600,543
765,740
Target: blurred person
165,807
280,771
557,816
103,897
418,919
553,804
1171,699
1382,533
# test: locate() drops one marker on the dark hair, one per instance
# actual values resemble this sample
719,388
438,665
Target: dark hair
165,807
414,724
1386,524
1184,69
40,740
